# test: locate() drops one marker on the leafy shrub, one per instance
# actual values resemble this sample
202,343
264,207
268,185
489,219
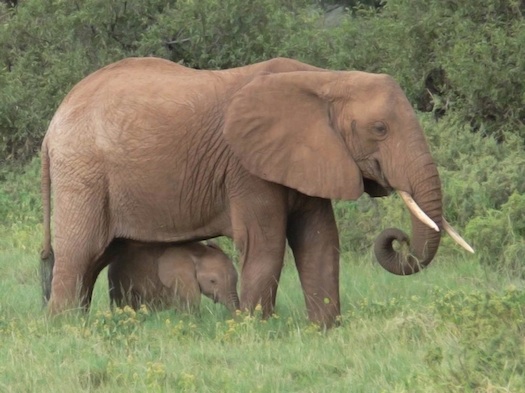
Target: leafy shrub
483,189
224,34
499,235
38,66
478,172
488,328
465,56
20,200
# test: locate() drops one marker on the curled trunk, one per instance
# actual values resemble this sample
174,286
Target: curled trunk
424,242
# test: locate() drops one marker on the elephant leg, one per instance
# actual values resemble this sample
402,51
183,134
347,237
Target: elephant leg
260,274
81,236
89,281
313,238
261,240
73,280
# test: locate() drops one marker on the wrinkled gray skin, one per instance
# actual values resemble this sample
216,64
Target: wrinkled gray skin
149,150
170,276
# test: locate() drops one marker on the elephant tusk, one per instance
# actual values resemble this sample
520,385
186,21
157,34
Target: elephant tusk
416,210
454,235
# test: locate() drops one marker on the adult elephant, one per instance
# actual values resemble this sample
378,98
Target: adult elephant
149,150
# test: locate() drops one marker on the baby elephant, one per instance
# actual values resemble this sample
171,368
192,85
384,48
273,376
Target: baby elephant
170,275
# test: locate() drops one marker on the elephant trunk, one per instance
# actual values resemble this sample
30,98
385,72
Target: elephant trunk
424,242
233,302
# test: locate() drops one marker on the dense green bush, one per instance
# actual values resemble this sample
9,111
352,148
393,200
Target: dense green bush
465,59
229,33
39,66
20,200
465,56
487,329
500,235
46,47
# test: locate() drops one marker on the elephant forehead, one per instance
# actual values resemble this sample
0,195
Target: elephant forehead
217,262
392,108
359,82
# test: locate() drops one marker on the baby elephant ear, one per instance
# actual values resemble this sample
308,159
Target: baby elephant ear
165,271
279,126
173,265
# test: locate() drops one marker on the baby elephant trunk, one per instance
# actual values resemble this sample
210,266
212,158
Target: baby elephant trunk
233,302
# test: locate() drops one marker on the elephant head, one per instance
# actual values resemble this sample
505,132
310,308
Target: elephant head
213,271
336,135
217,276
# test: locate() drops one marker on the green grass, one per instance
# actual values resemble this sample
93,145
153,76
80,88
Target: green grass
454,327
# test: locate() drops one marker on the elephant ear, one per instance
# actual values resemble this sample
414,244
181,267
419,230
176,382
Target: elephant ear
165,270
279,126
174,264
177,272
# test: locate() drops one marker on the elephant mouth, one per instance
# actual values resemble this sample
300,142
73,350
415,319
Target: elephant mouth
376,188
374,179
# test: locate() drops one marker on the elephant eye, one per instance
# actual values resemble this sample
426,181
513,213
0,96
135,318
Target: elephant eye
380,128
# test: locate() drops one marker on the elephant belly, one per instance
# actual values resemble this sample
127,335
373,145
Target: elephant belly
160,188
155,212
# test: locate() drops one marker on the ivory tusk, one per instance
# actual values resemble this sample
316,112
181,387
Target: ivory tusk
454,235
416,210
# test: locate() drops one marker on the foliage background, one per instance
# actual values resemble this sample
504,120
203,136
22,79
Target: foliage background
458,326
462,65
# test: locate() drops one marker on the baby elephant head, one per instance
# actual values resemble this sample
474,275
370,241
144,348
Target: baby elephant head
216,275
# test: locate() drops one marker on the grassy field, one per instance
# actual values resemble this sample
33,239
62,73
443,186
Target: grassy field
454,327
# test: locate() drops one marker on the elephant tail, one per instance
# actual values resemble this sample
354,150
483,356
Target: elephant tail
47,259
